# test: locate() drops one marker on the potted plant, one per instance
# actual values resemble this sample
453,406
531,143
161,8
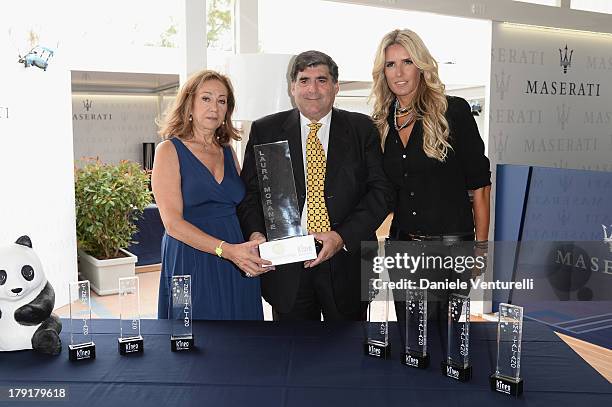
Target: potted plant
109,199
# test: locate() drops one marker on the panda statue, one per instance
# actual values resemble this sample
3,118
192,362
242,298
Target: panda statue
26,302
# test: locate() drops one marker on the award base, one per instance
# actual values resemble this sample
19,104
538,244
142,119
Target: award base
129,346
377,350
506,386
462,374
290,250
415,360
181,343
85,351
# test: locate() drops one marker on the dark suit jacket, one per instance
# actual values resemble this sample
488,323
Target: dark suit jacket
357,194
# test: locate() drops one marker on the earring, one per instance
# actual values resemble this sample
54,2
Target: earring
190,117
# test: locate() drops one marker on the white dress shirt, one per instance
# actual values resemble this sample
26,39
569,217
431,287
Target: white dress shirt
323,135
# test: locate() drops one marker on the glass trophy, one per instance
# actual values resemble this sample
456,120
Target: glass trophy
415,352
457,364
130,341
181,317
286,240
81,345
506,378
377,323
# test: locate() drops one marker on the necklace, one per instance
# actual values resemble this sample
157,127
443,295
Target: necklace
206,146
402,112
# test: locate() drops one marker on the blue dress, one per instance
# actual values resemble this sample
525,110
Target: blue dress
219,291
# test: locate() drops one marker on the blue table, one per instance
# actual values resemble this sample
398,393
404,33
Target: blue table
298,364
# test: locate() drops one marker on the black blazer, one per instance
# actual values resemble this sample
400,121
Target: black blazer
358,196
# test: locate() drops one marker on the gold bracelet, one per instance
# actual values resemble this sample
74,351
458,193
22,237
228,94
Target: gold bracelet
219,250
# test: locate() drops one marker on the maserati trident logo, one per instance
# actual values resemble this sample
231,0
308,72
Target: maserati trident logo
502,84
87,115
607,236
564,61
563,113
501,144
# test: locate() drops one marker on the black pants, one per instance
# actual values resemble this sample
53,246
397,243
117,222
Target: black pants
315,296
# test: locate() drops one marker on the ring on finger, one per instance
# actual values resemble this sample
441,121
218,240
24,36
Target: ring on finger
248,274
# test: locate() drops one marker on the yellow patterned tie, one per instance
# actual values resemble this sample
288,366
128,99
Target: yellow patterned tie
317,216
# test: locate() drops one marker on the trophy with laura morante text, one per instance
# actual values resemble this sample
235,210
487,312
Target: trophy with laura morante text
286,241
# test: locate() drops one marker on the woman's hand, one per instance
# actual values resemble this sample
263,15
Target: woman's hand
246,257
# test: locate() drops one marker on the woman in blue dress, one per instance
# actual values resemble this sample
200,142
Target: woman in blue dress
197,187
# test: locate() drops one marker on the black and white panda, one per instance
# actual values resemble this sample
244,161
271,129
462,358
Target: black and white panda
26,302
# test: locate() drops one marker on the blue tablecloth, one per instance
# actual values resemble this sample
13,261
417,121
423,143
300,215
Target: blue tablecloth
298,364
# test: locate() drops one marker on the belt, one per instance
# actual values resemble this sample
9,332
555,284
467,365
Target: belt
396,233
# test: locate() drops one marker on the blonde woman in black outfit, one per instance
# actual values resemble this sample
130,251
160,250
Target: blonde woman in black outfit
433,153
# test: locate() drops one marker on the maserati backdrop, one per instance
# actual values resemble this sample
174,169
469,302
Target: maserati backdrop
551,98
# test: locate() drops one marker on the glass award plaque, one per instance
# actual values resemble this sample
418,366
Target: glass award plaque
181,314
377,323
457,364
415,352
82,346
286,240
130,340
506,378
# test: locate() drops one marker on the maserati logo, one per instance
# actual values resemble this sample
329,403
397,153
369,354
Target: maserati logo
607,236
501,144
565,61
502,84
87,106
563,87
563,112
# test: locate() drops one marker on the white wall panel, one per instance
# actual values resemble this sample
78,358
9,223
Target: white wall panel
36,165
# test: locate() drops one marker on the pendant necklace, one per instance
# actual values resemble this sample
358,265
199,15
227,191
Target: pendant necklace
402,112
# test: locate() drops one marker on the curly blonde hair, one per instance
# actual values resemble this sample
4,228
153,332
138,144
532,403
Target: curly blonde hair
429,102
176,120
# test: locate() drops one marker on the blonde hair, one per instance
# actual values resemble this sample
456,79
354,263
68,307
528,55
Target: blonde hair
176,121
429,102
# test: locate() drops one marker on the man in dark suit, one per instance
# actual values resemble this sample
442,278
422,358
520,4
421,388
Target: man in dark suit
343,194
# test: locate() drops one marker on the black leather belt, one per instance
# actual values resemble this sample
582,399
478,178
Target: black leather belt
399,234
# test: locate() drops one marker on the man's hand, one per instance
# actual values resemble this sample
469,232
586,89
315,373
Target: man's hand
332,243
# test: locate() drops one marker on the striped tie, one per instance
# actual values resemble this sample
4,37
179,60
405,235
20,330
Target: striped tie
317,216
